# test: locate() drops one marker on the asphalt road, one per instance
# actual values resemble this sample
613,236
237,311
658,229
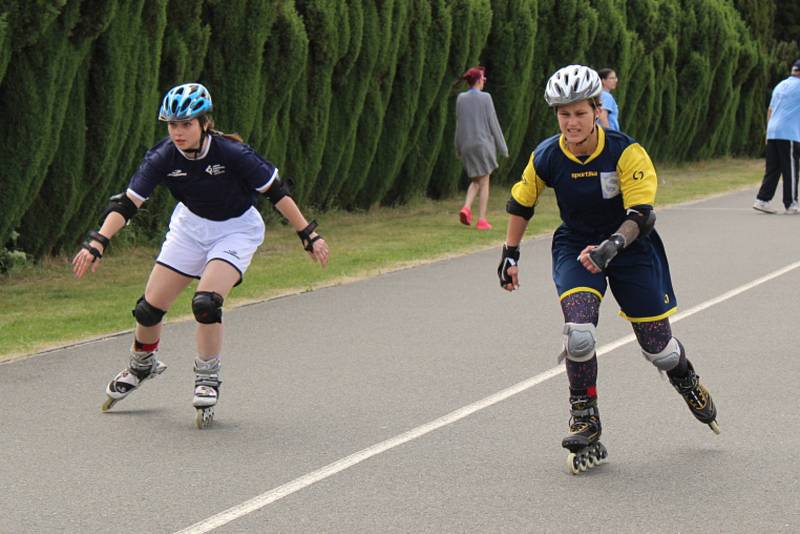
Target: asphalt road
384,406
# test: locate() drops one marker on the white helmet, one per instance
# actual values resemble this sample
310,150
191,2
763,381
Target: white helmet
572,83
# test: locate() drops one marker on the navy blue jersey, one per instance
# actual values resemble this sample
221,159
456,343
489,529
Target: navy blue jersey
219,186
592,194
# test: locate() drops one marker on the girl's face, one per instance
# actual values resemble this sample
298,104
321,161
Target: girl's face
185,134
576,121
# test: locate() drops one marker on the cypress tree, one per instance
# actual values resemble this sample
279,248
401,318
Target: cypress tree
393,21
328,29
59,199
33,104
425,139
285,56
239,30
349,87
402,108
5,45
123,105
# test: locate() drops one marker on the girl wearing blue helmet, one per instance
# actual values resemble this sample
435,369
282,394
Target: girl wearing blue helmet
213,234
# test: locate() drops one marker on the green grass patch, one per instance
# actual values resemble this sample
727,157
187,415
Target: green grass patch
45,307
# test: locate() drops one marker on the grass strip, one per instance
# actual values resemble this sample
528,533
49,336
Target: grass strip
45,307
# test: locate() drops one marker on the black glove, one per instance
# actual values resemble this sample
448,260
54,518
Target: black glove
510,258
605,251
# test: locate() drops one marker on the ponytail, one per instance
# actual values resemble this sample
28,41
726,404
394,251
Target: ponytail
208,120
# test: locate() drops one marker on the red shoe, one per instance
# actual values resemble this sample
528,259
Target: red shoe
483,224
465,215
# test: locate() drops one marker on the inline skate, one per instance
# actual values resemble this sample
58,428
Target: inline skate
206,391
697,398
586,451
142,366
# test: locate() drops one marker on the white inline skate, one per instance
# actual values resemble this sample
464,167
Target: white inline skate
206,391
141,367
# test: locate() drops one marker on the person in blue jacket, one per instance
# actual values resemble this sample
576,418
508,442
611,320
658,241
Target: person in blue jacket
213,234
605,186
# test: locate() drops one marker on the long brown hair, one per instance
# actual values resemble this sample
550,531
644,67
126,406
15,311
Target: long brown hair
208,120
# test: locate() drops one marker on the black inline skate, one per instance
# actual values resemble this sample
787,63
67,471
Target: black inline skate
697,398
586,451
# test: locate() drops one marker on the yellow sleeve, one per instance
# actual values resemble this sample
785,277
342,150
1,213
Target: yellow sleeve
637,177
526,191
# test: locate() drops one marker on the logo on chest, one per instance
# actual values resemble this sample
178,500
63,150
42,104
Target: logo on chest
177,173
583,174
215,169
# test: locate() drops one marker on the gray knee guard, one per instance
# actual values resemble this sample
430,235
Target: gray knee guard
147,314
207,307
668,358
579,342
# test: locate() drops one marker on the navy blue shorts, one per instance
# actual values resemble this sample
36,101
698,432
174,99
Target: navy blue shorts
638,276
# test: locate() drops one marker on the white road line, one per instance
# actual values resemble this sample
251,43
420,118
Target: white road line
340,465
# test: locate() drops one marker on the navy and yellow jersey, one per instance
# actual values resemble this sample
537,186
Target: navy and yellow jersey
221,185
592,194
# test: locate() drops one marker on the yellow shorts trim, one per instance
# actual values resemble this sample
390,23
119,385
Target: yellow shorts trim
648,319
574,290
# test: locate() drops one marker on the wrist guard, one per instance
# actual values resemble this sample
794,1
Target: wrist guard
305,236
87,244
508,259
605,252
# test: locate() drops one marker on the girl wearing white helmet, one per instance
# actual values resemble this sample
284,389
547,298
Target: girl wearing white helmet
213,234
605,185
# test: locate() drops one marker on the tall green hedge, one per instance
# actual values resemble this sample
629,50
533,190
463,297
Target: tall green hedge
354,100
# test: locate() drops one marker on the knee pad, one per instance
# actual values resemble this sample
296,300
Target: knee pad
147,314
207,307
668,358
579,342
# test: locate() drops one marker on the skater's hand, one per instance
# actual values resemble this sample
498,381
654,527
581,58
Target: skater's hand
587,263
84,260
319,252
513,273
508,270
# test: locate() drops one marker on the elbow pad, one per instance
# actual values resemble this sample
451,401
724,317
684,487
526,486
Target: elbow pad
515,208
644,217
277,190
122,205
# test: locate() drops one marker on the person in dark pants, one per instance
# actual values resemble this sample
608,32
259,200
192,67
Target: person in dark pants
783,145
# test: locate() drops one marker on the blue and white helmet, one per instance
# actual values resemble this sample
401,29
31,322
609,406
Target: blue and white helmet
572,83
185,102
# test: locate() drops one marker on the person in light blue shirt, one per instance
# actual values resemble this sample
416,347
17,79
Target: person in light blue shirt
783,145
609,113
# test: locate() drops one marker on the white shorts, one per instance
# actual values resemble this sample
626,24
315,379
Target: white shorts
193,241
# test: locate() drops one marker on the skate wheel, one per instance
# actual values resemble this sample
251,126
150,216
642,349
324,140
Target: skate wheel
573,463
714,426
204,417
108,404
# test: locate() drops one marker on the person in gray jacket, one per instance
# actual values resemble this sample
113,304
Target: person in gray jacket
478,139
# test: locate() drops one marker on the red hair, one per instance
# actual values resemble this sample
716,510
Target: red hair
473,75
